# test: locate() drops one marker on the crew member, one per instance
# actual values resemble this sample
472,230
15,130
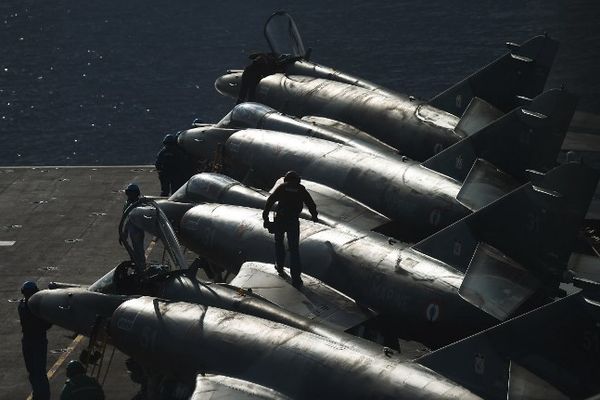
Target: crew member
174,166
79,386
34,344
291,196
136,234
262,65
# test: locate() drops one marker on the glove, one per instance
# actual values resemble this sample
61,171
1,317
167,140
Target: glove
270,226
315,218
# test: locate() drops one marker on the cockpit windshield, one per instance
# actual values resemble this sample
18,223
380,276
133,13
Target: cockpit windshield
248,114
283,36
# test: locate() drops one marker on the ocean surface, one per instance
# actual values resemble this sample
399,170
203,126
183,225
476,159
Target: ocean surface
101,82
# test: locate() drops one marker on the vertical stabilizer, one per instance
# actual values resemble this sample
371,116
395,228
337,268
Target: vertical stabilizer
529,137
478,114
521,72
519,244
552,352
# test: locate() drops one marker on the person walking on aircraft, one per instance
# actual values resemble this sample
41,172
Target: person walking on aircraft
34,344
290,196
136,235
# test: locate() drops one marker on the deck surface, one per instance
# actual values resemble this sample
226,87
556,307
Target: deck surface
63,222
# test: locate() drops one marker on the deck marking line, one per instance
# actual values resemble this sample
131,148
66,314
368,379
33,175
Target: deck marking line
61,360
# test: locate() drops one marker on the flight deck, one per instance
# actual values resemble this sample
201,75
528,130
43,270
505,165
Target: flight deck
60,224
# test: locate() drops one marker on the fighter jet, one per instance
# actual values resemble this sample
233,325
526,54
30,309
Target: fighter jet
513,251
422,197
550,352
418,129
335,208
255,115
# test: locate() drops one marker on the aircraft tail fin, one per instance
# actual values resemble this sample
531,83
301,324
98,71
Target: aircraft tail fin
484,184
529,137
518,245
552,352
521,72
478,114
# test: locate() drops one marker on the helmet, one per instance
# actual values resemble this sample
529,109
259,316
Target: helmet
292,177
132,188
75,367
170,139
29,287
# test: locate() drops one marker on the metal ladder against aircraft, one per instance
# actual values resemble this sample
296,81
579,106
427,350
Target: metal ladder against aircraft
216,165
94,354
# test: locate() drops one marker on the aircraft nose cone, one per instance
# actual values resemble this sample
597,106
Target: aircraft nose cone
73,309
229,84
35,303
205,187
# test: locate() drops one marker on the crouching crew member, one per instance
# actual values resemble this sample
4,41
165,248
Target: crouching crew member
136,235
262,65
79,386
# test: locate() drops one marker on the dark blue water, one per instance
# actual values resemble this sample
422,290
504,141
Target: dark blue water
101,82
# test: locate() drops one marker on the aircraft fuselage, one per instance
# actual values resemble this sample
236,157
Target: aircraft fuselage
415,128
423,200
410,288
191,338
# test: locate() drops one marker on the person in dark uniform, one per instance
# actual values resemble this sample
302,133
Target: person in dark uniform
79,386
291,196
34,344
136,235
174,166
262,65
